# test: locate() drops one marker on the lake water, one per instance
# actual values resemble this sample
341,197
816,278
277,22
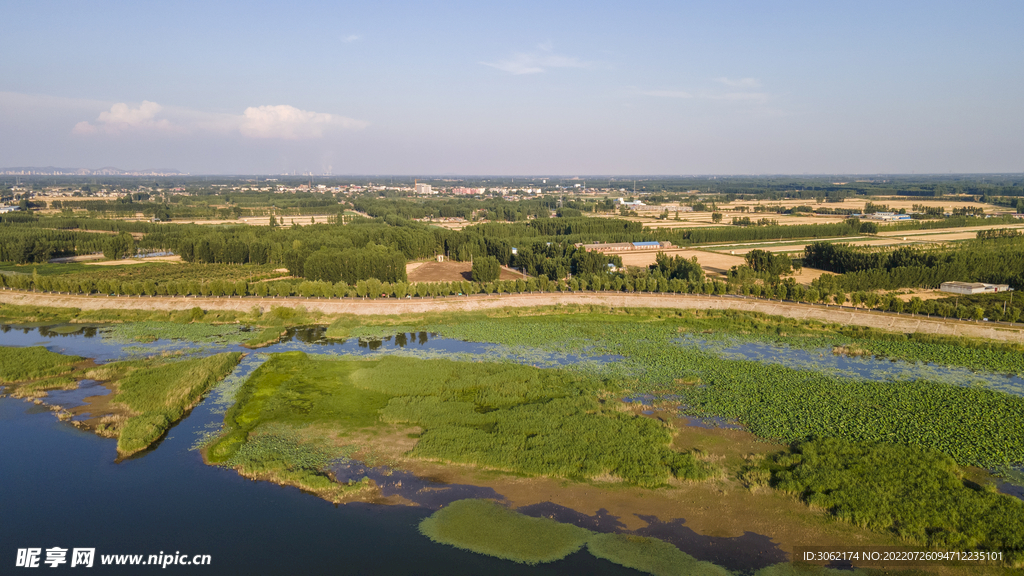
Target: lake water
61,487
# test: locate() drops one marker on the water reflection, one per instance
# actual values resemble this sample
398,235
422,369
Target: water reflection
863,367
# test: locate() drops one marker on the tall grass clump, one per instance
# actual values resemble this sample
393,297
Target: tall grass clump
34,362
542,422
293,389
915,494
159,395
282,454
38,388
264,337
503,416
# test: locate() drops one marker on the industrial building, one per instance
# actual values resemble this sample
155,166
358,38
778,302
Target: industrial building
623,246
968,288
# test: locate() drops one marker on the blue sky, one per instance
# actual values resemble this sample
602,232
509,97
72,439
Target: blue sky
527,88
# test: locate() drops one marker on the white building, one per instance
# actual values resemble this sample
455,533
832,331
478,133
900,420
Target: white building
424,189
972,288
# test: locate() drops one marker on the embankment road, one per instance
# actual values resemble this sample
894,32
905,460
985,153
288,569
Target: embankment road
904,323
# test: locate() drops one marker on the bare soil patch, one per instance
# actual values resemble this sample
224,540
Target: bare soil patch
807,275
175,259
970,230
713,262
449,271
81,258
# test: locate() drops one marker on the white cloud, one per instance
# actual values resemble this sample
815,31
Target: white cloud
123,118
742,96
739,83
351,38
290,123
540,60
734,96
281,121
667,94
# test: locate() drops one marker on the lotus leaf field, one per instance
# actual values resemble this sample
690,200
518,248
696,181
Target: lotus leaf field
973,425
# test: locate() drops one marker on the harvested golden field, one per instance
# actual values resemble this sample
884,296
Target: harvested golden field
172,259
710,261
895,203
449,271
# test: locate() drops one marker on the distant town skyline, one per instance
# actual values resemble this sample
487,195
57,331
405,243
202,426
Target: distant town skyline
560,88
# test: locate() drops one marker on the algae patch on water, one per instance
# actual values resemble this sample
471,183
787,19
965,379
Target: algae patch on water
484,527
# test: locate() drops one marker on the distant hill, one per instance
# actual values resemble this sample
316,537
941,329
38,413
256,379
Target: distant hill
106,171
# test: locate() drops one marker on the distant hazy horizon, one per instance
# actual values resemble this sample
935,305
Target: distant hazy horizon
436,89
67,171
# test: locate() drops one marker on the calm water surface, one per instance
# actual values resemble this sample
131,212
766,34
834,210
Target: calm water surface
61,487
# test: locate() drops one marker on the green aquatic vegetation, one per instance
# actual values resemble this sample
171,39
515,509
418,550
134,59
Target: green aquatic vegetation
916,494
292,389
649,555
499,415
579,332
265,337
158,393
21,364
38,388
795,569
981,355
969,424
283,454
15,314
484,527
773,401
193,332
527,420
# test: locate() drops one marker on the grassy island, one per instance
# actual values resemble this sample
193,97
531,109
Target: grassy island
500,416
149,395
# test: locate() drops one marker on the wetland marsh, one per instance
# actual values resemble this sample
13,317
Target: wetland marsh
525,408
